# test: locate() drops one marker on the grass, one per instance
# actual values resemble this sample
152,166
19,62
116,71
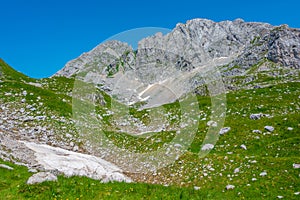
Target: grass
8,73
13,186
273,152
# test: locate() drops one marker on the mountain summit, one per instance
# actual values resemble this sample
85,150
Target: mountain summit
236,48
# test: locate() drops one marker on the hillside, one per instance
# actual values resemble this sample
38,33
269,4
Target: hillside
215,116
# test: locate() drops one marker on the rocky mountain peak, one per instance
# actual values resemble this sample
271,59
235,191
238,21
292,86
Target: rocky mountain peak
235,46
104,53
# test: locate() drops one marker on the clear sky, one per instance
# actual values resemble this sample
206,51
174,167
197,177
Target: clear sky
37,37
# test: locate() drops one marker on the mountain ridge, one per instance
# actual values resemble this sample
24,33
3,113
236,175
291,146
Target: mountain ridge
237,46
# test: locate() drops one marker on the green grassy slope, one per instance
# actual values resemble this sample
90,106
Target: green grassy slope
271,152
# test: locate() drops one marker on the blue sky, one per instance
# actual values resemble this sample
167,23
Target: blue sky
37,37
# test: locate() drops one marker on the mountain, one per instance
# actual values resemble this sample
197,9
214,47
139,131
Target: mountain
210,110
243,52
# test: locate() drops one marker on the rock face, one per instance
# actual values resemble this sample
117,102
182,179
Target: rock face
97,58
284,46
233,47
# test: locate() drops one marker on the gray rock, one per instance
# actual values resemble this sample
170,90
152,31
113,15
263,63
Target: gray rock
269,128
27,119
32,170
224,130
40,117
207,147
178,145
263,174
230,187
284,46
243,147
212,123
236,170
41,177
256,131
296,166
255,116
6,167
196,188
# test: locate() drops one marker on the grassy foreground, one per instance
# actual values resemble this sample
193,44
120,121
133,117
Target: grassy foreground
13,186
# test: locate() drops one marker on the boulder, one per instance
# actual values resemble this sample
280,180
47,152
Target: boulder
256,116
207,147
269,128
230,187
41,177
6,167
243,147
224,130
296,166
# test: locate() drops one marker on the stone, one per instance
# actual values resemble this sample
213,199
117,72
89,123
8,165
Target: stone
230,187
269,128
178,145
290,129
27,119
41,177
256,116
212,123
32,170
196,188
207,147
40,117
224,130
243,147
256,131
263,174
296,166
236,170
6,167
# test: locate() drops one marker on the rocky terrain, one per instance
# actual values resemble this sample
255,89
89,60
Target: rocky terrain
208,105
241,51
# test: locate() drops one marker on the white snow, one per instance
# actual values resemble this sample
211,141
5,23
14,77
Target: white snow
76,164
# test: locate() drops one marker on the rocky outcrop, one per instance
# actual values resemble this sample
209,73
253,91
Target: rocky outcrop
235,47
284,46
97,59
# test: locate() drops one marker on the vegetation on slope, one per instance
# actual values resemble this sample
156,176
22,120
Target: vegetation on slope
264,170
